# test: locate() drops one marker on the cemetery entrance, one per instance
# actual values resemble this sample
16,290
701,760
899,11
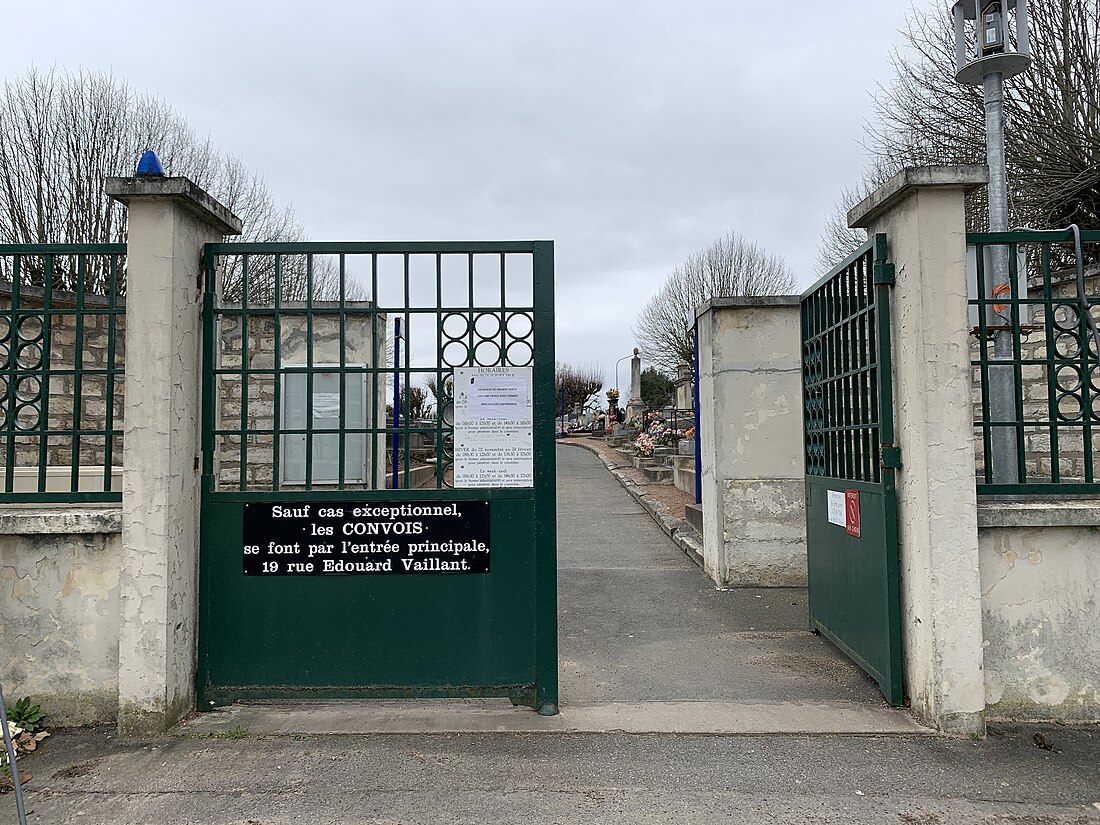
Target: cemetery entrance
378,477
851,502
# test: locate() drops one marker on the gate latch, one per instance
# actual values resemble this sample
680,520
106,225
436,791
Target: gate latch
891,457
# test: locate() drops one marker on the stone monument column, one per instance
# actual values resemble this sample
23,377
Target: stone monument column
635,407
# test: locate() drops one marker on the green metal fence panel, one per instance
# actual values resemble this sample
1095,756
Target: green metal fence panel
851,502
1053,362
329,382
61,371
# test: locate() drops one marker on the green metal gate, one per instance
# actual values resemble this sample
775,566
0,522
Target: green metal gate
375,523
851,504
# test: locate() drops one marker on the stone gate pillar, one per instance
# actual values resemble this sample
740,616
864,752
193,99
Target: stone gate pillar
169,221
921,210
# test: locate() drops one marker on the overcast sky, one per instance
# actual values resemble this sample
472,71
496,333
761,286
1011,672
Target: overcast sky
630,132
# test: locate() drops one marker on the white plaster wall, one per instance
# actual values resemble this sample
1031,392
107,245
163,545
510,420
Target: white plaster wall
159,595
753,470
59,610
1041,620
937,505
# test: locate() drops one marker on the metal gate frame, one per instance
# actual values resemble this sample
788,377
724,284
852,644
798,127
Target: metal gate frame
403,636
851,459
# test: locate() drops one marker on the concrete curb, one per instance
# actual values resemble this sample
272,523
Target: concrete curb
681,533
416,717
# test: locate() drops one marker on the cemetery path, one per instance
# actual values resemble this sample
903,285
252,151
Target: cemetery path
639,622
646,645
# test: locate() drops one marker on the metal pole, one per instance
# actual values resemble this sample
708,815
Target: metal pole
396,398
10,747
698,418
1002,387
617,369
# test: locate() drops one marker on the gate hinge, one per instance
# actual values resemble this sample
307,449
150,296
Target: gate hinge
884,273
891,458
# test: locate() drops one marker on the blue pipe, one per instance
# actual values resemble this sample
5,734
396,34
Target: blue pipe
698,420
396,398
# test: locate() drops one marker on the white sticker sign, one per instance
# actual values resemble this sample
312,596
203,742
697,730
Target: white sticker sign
498,397
836,508
494,427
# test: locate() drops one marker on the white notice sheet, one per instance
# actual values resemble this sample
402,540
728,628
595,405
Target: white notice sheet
494,423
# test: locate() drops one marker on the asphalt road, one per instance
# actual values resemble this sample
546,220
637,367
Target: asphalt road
91,777
639,624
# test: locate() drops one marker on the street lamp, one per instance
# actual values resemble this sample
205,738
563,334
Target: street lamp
985,56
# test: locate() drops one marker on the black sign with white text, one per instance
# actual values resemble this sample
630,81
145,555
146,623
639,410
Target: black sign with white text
364,538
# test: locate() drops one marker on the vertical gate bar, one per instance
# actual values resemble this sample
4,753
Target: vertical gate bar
842,368
546,601
396,438
503,302
834,395
852,419
374,371
209,381
892,684
342,416
112,372
1017,363
1052,380
886,388
1085,340
807,412
210,346
407,414
44,387
243,435
309,371
861,384
439,403
9,467
472,317
698,417
277,364
983,362
78,374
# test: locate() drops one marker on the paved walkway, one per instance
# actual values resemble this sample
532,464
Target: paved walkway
641,623
646,645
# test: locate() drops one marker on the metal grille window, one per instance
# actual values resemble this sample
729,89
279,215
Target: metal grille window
334,363
1051,362
325,405
841,333
61,354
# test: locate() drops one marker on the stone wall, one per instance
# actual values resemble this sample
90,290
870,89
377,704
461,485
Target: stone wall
59,589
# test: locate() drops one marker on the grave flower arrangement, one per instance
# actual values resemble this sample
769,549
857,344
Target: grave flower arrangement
644,445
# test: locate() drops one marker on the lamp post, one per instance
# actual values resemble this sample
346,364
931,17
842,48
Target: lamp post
985,56
617,368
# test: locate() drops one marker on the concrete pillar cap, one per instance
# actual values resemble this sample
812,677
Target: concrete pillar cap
195,200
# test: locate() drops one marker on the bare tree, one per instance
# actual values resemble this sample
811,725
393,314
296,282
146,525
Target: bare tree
62,135
729,266
578,383
1053,118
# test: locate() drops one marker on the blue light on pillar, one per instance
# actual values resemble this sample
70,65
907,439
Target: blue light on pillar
149,165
